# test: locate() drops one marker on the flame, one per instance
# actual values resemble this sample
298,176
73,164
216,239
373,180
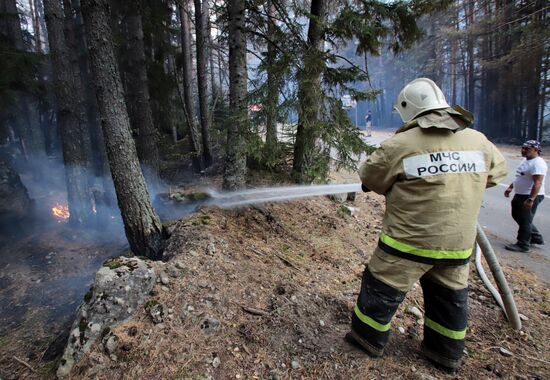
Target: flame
61,212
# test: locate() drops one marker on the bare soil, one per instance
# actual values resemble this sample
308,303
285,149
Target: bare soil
266,292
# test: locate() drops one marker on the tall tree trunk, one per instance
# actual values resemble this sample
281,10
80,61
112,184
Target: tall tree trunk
234,175
36,25
309,95
272,98
543,94
201,22
79,96
71,127
188,105
141,117
141,222
471,68
213,85
24,115
100,163
536,93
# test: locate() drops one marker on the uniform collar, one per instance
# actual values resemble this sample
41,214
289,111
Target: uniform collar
453,118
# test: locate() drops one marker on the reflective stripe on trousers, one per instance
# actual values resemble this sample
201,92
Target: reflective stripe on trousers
446,309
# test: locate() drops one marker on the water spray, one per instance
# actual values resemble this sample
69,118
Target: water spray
276,194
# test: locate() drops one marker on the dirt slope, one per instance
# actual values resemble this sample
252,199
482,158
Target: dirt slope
266,293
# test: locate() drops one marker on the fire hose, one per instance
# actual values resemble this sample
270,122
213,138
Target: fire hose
504,296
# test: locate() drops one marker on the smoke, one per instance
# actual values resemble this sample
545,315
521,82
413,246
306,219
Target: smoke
45,181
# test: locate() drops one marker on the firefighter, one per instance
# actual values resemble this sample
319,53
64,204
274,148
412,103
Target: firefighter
433,173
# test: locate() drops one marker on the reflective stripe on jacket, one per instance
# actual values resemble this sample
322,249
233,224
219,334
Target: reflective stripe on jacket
433,173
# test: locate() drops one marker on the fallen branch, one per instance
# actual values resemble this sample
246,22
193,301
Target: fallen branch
24,363
533,358
254,311
257,251
287,261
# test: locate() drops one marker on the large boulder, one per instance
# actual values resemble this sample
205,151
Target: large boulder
120,287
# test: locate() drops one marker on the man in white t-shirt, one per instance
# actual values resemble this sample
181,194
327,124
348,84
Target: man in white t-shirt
529,192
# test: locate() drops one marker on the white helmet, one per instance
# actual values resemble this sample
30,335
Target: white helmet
418,96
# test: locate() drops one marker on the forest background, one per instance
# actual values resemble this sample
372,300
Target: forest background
130,96
108,108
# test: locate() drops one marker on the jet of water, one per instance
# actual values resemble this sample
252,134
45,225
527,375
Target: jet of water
277,194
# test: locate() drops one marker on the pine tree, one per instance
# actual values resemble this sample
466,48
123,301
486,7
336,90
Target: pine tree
234,175
72,125
141,223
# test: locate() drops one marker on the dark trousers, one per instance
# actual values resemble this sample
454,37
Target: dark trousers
445,318
527,233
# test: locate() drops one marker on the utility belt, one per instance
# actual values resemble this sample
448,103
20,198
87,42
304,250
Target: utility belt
423,255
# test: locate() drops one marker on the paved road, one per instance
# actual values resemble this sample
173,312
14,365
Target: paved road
496,220
501,229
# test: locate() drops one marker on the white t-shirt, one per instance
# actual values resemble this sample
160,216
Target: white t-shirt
524,175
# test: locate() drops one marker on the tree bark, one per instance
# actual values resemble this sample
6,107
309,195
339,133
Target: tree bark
272,98
471,68
309,95
141,223
201,22
72,129
141,117
79,95
234,176
189,108
213,87
23,114
535,92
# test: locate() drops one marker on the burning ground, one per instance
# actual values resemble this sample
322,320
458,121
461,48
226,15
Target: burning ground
266,292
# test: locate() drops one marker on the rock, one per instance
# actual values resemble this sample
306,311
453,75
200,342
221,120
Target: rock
401,329
173,271
164,278
211,249
425,376
156,312
295,364
413,332
322,323
504,352
103,308
413,310
523,317
216,362
351,210
110,343
209,326
338,198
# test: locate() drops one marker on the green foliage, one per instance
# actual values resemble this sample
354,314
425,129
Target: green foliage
19,68
369,24
341,136
343,212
